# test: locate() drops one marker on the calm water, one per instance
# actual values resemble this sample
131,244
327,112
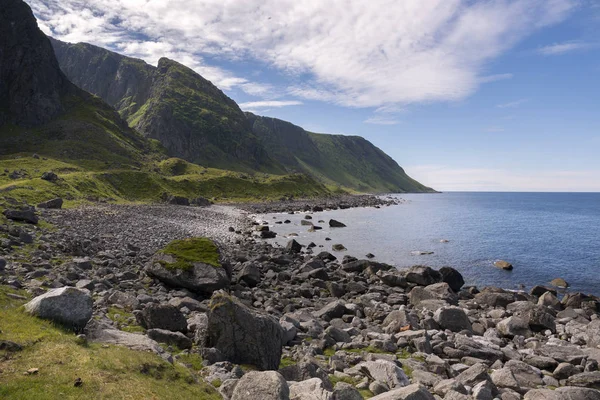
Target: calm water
544,235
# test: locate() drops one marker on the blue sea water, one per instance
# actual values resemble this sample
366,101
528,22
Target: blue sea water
544,235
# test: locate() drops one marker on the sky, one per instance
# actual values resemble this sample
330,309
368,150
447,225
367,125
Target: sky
466,95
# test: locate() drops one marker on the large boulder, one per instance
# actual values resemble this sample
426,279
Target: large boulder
310,389
410,392
163,316
513,326
28,216
242,335
52,204
452,318
267,385
306,369
384,371
452,277
69,306
423,276
192,264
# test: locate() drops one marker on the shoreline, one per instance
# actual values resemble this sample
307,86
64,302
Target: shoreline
341,319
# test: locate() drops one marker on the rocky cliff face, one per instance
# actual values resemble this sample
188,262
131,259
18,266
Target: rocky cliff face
31,82
350,161
190,116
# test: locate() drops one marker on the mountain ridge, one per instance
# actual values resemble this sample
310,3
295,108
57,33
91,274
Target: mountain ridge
196,121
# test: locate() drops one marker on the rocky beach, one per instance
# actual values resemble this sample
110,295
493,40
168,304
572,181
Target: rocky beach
297,322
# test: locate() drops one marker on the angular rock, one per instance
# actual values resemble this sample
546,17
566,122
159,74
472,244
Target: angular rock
503,265
175,338
293,246
336,224
52,204
410,392
452,277
310,389
586,379
306,369
513,326
345,391
242,335
452,318
423,276
335,309
69,306
28,216
201,278
267,385
384,371
163,316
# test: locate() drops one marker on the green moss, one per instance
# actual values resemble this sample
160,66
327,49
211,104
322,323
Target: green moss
123,320
216,383
287,362
347,379
191,360
328,352
189,251
366,393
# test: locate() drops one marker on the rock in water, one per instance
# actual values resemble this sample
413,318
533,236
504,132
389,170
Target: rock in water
268,385
69,306
336,224
559,282
242,335
505,265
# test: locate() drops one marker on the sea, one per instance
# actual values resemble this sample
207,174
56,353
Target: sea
543,235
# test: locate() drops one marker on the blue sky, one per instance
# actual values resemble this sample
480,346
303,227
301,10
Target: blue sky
465,95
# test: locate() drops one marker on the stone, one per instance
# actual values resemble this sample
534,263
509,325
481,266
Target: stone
68,306
174,338
101,333
338,247
495,299
335,309
345,391
243,335
452,318
126,300
593,333
525,375
336,224
473,375
505,265
293,246
559,282
50,176
250,274
585,379
201,202
163,316
267,385
27,216
423,276
384,371
452,277
565,370
514,326
310,389
577,393
410,392
306,369
436,291
56,203
201,278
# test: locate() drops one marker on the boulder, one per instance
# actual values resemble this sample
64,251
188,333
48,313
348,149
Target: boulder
423,276
513,326
335,309
242,335
452,277
293,246
436,291
174,338
577,393
101,333
250,274
410,392
345,391
306,369
336,224
505,265
52,204
199,277
452,318
310,389
28,216
559,282
267,385
163,316
125,300
68,305
384,371
586,379
50,176
338,247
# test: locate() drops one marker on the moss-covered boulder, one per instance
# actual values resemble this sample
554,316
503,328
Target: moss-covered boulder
243,335
192,263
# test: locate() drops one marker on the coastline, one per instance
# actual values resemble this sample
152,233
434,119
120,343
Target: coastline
342,319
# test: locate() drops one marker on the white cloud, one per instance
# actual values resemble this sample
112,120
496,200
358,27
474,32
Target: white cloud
381,120
562,48
253,105
446,178
512,104
495,78
364,53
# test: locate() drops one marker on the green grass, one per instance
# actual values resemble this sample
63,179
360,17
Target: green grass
192,361
287,362
107,372
122,320
191,250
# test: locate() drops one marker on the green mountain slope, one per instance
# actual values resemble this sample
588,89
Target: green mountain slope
196,121
191,117
350,161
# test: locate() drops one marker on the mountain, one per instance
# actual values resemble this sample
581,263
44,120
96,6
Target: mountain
191,117
41,110
196,121
350,161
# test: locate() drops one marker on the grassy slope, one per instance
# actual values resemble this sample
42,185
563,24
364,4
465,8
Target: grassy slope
107,372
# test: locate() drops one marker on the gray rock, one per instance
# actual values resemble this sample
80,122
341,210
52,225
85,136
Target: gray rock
576,393
452,318
52,204
377,387
69,306
126,300
345,391
201,278
267,385
100,333
565,370
411,392
293,246
28,216
423,276
335,309
310,389
503,265
250,274
384,371
163,316
242,335
586,379
306,369
593,333
513,326
473,375
50,176
452,277
175,338
336,224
